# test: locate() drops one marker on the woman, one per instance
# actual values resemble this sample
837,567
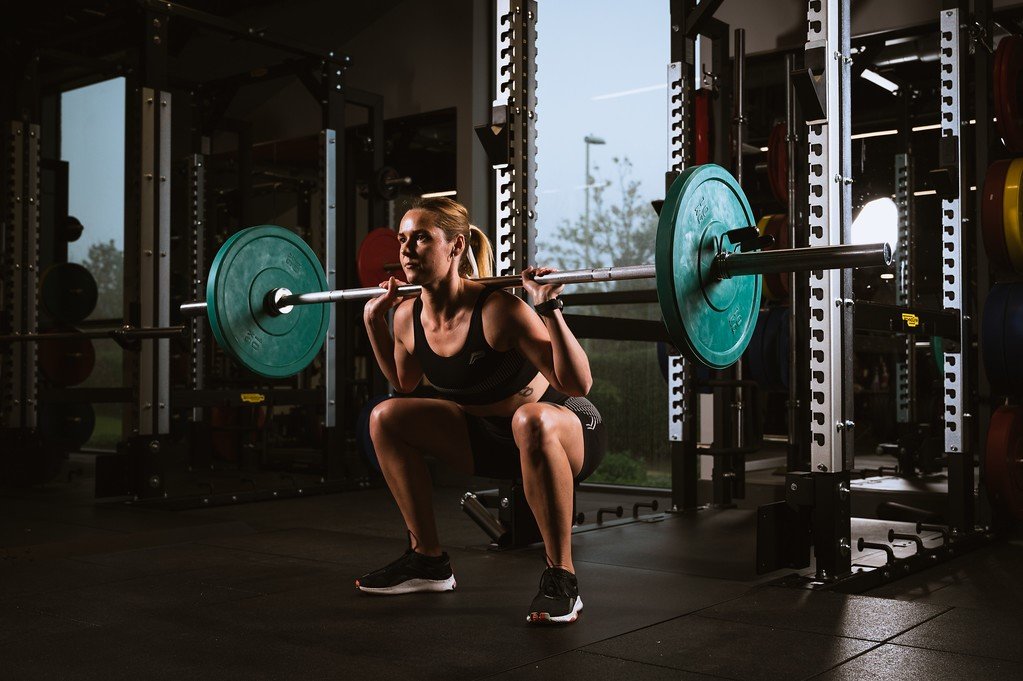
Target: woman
511,379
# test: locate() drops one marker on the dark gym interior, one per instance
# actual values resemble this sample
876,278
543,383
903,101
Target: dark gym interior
814,430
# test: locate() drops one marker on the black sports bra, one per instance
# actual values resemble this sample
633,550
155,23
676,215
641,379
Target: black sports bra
476,374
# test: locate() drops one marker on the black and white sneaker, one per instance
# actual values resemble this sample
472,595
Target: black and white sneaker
411,573
557,601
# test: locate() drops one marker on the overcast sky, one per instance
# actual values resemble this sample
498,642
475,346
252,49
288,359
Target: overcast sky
601,71
92,141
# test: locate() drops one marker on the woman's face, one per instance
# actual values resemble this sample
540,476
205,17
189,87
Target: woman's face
426,254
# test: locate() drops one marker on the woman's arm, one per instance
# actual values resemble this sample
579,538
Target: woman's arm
545,341
399,366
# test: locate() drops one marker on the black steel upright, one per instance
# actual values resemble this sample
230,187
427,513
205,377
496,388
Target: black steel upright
339,240
983,137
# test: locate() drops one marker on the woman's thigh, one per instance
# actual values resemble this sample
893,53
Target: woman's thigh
433,427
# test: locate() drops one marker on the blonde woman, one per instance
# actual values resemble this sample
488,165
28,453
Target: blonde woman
511,378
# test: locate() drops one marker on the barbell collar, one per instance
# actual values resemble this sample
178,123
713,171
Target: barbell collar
728,265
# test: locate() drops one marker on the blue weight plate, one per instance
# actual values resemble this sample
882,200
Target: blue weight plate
772,333
1013,338
784,343
755,350
992,338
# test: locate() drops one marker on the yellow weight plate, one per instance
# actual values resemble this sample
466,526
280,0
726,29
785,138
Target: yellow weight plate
1012,221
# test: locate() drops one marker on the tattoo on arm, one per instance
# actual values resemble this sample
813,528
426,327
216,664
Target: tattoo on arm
526,392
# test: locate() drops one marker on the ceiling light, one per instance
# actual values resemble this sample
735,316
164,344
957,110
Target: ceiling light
880,81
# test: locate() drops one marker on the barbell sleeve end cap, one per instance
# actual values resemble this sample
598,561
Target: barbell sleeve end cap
194,309
273,302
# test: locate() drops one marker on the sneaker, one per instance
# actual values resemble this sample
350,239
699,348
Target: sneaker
411,573
558,600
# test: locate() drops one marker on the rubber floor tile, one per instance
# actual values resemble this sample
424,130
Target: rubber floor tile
898,663
582,666
732,649
187,648
825,612
972,632
21,622
21,577
476,630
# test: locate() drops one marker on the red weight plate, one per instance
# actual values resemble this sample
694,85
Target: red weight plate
704,131
379,249
782,241
992,199
778,227
66,362
1004,461
1006,91
778,163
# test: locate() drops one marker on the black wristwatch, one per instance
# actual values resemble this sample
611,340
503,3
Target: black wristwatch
548,306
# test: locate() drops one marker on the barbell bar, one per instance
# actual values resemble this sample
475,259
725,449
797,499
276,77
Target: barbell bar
266,291
120,333
727,265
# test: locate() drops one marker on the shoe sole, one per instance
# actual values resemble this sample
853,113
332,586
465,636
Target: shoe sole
411,586
545,617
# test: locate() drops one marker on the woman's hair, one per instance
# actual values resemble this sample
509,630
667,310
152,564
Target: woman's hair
453,219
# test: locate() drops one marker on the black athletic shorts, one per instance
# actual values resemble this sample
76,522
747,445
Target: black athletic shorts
495,454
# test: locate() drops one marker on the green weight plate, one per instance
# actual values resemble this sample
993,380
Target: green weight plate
248,265
68,292
710,321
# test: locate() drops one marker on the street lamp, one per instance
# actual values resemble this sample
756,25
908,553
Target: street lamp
588,140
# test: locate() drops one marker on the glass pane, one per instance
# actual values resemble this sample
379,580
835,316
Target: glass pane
601,154
92,142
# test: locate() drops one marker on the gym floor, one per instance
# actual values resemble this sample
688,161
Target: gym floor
265,591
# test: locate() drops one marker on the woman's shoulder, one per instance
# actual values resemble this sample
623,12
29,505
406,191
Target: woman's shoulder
504,317
501,302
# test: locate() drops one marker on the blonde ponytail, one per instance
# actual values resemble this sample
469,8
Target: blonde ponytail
483,252
453,219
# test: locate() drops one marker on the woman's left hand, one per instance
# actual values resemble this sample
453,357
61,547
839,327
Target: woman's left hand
540,293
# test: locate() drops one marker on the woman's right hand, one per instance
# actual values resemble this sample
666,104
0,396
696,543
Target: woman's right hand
377,308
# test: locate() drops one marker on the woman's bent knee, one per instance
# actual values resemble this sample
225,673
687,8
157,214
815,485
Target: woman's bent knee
383,418
530,423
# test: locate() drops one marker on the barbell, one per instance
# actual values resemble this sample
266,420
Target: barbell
265,291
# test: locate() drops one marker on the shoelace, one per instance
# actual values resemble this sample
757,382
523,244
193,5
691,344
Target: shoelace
554,583
398,561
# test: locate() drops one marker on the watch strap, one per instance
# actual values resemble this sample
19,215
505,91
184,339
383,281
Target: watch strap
548,306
